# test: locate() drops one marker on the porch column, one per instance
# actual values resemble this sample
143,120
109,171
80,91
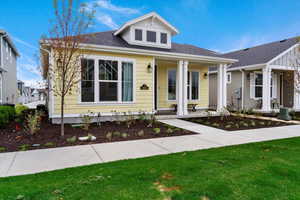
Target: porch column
179,84
185,83
222,87
266,96
296,91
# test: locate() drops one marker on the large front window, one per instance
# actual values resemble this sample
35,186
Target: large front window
172,85
112,81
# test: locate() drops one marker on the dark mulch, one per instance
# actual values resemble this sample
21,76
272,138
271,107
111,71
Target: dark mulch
11,140
234,123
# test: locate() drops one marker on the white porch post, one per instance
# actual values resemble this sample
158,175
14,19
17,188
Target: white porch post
222,87
185,83
179,84
266,96
296,92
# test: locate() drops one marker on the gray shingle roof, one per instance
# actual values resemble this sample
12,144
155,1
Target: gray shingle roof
260,54
108,39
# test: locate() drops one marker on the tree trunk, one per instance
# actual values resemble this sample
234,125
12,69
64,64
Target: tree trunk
62,125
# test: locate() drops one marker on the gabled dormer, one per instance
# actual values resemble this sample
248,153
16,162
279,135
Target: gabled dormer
149,30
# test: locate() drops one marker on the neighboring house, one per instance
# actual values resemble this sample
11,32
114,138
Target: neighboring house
21,92
138,68
8,69
263,79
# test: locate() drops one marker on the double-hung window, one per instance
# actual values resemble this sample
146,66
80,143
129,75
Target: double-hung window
112,81
258,85
172,85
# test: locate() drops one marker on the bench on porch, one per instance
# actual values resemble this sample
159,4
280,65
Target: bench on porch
191,106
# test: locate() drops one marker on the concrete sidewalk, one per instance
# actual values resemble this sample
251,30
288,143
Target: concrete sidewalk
34,161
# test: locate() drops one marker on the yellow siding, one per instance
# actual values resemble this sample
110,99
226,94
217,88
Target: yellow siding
143,98
163,90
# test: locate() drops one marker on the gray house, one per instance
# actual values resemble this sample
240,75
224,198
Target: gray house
8,69
263,78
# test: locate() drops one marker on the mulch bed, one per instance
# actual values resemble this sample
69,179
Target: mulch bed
235,123
49,134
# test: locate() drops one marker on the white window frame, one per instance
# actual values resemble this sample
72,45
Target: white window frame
273,86
228,75
168,70
190,88
144,41
97,81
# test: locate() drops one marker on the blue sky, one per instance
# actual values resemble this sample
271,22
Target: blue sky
220,25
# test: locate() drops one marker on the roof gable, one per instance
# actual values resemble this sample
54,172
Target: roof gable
152,15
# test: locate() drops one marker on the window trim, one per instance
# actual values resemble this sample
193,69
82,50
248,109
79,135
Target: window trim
134,31
155,33
189,99
97,101
171,100
160,33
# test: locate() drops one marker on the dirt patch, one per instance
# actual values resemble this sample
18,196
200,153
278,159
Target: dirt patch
49,134
234,123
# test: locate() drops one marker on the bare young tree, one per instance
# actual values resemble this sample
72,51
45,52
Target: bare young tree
65,36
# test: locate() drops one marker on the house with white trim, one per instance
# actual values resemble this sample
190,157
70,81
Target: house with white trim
8,70
263,79
138,68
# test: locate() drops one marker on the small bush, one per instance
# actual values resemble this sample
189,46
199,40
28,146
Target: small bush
72,139
156,130
2,149
20,109
86,120
49,144
170,131
33,123
124,135
109,136
116,134
7,113
42,108
141,133
24,147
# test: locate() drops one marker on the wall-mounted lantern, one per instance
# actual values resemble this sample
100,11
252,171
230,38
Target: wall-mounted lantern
205,75
149,68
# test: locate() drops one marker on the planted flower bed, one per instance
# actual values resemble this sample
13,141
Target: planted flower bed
17,138
234,123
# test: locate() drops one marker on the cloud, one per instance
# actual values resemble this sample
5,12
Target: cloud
106,4
106,20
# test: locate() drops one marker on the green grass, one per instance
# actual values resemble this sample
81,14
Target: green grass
269,170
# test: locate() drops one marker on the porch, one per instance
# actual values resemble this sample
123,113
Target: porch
271,87
182,88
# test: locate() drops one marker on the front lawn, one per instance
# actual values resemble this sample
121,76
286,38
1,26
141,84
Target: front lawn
234,123
268,170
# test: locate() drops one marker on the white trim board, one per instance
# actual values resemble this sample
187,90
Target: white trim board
149,15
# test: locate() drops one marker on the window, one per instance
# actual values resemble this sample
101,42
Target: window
138,35
111,81
108,80
228,77
151,36
193,85
258,85
87,80
172,85
163,38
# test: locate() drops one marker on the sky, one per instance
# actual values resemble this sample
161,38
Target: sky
219,25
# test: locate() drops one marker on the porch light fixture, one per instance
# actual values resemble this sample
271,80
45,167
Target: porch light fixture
205,75
149,68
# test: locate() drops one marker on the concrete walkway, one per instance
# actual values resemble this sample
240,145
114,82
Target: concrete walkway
34,161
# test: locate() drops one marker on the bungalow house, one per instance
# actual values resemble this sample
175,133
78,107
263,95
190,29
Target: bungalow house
263,79
8,70
138,68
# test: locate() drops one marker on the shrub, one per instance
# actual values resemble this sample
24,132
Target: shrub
49,144
170,130
7,113
42,108
109,136
72,139
86,120
156,130
141,133
116,134
20,109
124,135
33,123
2,149
24,147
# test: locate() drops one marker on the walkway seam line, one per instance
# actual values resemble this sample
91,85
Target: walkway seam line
97,153
11,164
160,146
